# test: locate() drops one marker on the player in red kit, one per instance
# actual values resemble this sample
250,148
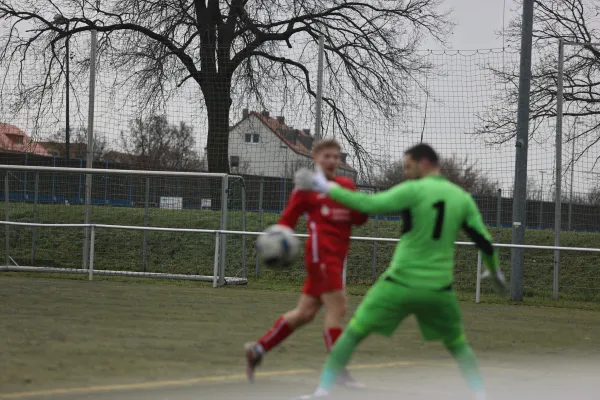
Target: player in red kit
329,228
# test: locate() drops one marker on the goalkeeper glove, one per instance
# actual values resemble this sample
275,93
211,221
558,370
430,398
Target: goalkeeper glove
315,181
496,279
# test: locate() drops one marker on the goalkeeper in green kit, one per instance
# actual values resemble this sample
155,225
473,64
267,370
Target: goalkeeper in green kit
419,279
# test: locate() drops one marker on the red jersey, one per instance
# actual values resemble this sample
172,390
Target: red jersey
329,223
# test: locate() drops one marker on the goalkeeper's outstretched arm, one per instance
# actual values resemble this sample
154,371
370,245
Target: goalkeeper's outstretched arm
398,198
475,228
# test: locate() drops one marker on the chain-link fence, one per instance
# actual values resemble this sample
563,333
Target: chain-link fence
152,105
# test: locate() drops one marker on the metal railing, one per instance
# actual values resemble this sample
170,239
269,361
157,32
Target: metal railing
218,277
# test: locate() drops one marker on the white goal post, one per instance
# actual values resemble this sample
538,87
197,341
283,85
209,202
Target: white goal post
215,184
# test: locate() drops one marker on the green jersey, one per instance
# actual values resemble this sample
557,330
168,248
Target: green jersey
434,211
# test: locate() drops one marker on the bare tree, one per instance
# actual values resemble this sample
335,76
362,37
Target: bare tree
235,44
593,197
78,148
459,171
534,191
160,145
574,21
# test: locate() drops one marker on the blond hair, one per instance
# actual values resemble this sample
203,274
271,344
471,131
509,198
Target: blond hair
325,144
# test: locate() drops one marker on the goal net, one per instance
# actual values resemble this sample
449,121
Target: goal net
145,223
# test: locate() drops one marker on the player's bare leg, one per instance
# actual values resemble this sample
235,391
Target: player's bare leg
284,326
337,306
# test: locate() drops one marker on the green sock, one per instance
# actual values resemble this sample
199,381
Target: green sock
467,363
339,357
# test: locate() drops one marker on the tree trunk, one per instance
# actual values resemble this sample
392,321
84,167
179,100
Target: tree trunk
218,104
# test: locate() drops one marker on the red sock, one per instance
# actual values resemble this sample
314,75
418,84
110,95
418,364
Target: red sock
331,335
276,334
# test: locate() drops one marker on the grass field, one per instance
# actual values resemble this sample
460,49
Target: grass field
191,253
69,333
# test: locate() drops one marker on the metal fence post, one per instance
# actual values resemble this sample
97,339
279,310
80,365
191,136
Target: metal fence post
80,184
7,227
146,211
89,162
35,216
106,186
519,215
86,219
540,225
478,284
217,260
25,196
91,264
131,191
285,196
569,227
559,131
244,270
88,213
223,237
374,267
260,216
53,180
499,216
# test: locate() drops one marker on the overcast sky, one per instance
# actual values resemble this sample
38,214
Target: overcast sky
477,21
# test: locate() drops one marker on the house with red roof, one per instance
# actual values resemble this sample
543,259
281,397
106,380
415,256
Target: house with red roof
262,145
13,139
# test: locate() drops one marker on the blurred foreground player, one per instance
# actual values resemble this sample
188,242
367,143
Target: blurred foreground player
329,228
420,276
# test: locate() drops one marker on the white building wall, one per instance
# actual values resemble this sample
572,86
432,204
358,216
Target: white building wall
270,157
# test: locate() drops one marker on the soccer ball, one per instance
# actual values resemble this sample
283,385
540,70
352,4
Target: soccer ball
278,247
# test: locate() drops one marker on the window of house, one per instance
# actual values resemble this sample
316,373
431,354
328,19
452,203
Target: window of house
234,161
252,138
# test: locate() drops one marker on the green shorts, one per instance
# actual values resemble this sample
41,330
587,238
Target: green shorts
387,303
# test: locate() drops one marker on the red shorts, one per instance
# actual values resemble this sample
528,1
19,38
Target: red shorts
323,277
